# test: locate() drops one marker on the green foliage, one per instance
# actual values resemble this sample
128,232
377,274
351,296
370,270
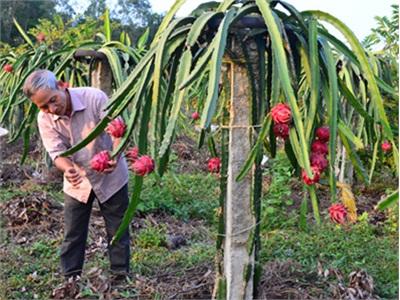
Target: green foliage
386,32
149,261
27,271
27,12
151,236
357,247
360,246
181,195
277,197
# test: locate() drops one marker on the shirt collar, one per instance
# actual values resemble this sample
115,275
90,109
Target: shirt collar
76,103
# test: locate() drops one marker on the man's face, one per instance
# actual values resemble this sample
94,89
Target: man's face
51,101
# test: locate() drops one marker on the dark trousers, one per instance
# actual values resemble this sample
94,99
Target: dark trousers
76,227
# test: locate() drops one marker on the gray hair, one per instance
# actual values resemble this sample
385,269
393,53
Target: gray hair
39,79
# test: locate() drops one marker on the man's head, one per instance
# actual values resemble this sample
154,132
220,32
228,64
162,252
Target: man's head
42,88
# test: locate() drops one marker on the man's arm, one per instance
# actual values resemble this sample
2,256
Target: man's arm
54,145
66,166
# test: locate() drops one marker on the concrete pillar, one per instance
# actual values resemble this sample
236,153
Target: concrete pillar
102,76
239,213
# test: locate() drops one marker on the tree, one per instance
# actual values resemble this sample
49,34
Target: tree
27,12
136,16
386,33
95,9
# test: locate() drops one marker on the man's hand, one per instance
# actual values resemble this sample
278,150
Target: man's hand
111,166
73,176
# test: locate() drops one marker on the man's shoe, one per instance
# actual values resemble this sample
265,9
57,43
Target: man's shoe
68,289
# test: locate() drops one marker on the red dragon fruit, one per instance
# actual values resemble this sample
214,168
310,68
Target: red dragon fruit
338,213
281,113
132,154
214,165
310,181
195,116
281,130
386,146
116,128
40,37
323,133
99,162
319,147
143,165
318,160
8,68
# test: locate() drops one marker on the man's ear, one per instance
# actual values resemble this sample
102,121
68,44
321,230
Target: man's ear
62,85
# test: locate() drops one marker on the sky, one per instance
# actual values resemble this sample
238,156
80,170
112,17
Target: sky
356,14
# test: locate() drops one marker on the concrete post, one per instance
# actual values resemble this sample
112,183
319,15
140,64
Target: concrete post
3,134
102,76
240,218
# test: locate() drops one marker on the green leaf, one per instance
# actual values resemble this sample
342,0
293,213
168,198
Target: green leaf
344,129
179,95
279,55
314,63
368,74
314,204
354,158
159,64
138,181
130,211
294,142
115,64
331,88
253,153
389,201
22,32
135,103
167,19
353,101
303,213
374,158
225,5
142,41
215,70
200,65
198,27
107,27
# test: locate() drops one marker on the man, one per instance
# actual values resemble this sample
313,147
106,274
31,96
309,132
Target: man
66,117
